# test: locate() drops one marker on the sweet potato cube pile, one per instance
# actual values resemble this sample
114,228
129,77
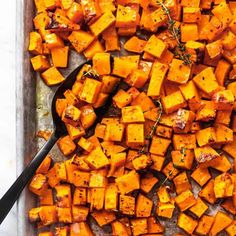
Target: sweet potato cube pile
167,151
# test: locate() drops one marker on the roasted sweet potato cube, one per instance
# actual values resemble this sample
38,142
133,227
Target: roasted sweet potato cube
199,208
101,63
97,159
214,49
66,145
80,196
128,182
48,215
114,132
132,114
143,206
71,115
60,169
123,66
103,217
75,132
191,14
108,83
201,175
224,134
185,200
60,56
224,100
144,101
155,46
81,178
163,194
183,121
173,102
80,40
75,12
148,182
34,214
158,74
45,165
61,104
221,221
53,41
139,226
102,23
81,228
137,78
182,183
154,226
46,233
122,99
158,162
207,111
141,162
135,44
187,223
187,141
111,197
159,146
52,76
207,192
38,184
165,210
223,186
190,3
126,17
204,154
95,47
183,158
206,136
63,196
90,90
127,204
117,164
97,198
118,228
71,97
111,39
204,225
163,131
79,213
170,171
88,116
223,13
35,43
189,32
79,162
178,72
98,178
206,81
135,134
64,215
230,148
231,229
86,144
40,63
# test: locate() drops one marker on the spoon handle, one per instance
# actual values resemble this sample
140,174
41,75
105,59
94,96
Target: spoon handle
13,193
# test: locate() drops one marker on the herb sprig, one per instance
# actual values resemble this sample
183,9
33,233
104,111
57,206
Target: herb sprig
180,51
91,73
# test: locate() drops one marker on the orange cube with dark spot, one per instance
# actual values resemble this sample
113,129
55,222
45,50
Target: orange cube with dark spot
90,90
173,102
66,145
80,40
38,184
71,115
122,98
134,44
101,63
155,47
135,135
40,63
159,146
52,76
75,13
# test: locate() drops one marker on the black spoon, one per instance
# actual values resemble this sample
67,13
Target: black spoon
13,193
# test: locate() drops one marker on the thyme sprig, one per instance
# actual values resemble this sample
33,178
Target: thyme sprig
91,73
180,51
149,137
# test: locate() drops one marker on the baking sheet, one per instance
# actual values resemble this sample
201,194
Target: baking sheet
33,114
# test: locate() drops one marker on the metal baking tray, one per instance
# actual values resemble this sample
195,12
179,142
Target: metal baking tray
33,99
